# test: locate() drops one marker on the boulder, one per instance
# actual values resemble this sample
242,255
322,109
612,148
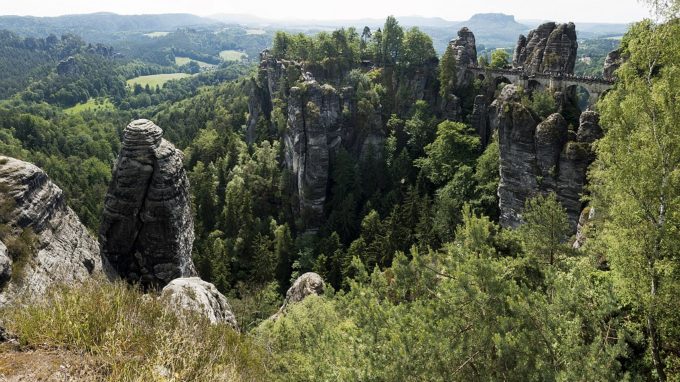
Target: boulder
64,250
147,229
304,286
202,297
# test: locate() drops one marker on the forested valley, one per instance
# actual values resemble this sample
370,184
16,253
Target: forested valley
466,227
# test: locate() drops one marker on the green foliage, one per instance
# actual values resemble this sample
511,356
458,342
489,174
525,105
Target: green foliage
499,59
545,228
635,187
462,313
456,145
447,72
542,103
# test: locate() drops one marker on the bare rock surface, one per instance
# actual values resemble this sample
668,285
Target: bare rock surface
304,286
538,157
64,251
549,48
202,297
147,229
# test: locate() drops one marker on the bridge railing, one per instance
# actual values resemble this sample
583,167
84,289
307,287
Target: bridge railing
545,75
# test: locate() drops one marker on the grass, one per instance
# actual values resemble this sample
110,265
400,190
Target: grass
155,79
92,104
156,34
185,60
232,55
135,337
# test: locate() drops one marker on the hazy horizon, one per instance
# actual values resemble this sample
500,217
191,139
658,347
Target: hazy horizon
606,11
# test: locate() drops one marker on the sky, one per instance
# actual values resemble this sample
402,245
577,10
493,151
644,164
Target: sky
610,11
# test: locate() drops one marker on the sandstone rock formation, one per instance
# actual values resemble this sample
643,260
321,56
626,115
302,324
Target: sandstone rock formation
466,54
587,215
611,63
147,229
304,286
65,252
479,120
196,295
312,113
549,48
5,265
540,157
68,67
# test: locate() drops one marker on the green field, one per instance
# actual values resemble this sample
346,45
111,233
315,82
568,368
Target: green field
185,60
93,104
232,55
156,79
156,34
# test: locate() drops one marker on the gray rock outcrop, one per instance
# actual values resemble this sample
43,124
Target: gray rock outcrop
304,286
64,251
147,230
312,113
612,63
5,265
549,48
479,120
465,49
68,67
540,157
202,297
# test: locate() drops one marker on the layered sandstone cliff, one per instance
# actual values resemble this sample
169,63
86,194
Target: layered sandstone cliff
540,156
56,247
147,228
549,48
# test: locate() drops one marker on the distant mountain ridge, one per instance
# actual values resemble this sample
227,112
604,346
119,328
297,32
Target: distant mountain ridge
492,30
100,23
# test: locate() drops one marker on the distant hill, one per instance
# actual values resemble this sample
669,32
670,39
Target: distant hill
100,26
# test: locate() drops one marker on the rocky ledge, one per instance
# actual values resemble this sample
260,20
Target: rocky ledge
58,250
147,230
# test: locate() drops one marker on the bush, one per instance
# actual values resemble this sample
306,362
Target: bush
543,103
134,337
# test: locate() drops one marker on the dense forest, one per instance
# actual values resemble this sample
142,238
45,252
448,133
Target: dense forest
422,282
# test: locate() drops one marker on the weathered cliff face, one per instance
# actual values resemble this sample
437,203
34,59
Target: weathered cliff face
466,55
320,119
479,120
64,251
201,297
612,63
540,157
147,229
549,48
312,112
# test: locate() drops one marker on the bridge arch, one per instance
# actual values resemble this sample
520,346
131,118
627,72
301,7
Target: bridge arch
534,85
500,79
583,96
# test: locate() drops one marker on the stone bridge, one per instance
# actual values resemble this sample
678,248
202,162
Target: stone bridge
596,87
